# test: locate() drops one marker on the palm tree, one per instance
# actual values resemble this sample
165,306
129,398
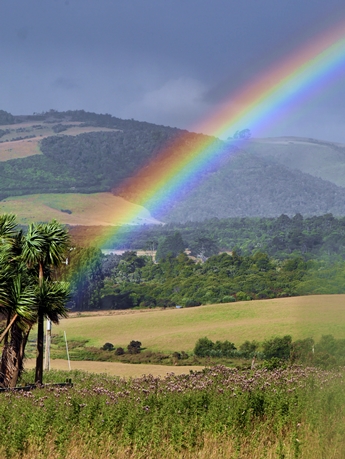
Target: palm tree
17,302
44,248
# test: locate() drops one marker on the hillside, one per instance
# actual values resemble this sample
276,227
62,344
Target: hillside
249,186
315,157
81,153
171,329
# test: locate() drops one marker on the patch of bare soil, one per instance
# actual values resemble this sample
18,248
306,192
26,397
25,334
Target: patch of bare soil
123,370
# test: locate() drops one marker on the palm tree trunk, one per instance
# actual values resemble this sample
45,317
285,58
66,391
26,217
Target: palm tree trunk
9,325
39,358
12,358
40,335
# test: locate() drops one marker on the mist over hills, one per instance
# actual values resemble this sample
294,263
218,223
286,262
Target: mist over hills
81,152
249,186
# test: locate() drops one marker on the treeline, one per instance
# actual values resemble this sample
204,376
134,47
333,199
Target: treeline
328,352
129,281
320,237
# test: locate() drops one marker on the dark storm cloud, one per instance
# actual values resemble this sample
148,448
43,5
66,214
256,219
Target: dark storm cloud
165,61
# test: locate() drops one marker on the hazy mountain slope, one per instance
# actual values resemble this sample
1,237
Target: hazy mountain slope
250,186
315,157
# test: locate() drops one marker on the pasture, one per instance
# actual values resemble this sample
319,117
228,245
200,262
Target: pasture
97,209
172,330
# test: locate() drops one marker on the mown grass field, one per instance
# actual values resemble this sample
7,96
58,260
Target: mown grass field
97,209
178,329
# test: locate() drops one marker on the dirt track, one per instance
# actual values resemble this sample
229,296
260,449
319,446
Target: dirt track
124,370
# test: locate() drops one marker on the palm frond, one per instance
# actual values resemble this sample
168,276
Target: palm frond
52,298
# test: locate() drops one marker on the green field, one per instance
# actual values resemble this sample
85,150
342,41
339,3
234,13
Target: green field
178,329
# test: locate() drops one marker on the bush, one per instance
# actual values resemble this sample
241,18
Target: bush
241,296
228,299
204,347
278,347
107,347
119,351
134,347
248,348
190,303
273,363
302,350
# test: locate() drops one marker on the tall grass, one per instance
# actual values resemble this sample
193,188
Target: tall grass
219,412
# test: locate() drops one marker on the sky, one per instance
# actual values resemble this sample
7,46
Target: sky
170,62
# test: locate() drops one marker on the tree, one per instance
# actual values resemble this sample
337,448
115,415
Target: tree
278,348
44,247
170,245
17,302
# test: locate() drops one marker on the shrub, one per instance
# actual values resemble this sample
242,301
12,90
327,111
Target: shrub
190,303
107,347
302,350
204,347
134,347
278,347
273,363
228,299
241,296
119,351
249,348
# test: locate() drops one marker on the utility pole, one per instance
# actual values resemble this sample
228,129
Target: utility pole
48,341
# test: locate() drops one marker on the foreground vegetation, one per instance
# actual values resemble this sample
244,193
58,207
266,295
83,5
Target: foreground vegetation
296,412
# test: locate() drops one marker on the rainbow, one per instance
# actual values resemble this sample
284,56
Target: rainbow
271,95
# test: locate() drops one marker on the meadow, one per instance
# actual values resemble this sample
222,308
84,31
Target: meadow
216,413
171,329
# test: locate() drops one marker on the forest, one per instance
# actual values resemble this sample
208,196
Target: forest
228,260
282,237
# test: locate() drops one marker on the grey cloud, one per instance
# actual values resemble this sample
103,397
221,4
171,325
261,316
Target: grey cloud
165,61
